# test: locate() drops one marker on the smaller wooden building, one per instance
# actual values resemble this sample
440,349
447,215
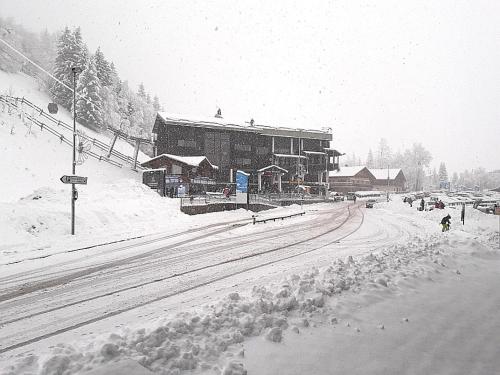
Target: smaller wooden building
175,175
389,179
350,179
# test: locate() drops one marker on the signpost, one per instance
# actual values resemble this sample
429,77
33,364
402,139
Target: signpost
497,212
74,180
242,187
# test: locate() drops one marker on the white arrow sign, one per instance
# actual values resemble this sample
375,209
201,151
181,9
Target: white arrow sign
74,180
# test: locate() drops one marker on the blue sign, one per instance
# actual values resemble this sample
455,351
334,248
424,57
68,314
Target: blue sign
241,182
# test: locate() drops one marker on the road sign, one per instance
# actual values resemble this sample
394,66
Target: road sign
74,180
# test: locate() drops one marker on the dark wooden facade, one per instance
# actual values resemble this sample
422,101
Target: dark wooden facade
350,179
395,184
196,174
360,179
305,154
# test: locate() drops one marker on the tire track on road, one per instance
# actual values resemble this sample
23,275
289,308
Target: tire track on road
183,290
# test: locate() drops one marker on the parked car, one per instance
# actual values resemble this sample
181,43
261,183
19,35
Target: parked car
337,197
350,196
487,208
370,203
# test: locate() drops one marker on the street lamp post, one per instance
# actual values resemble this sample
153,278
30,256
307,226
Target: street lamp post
76,70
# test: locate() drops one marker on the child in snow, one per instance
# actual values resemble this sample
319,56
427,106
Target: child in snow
445,222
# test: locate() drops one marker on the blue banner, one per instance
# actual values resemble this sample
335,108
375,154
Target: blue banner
241,182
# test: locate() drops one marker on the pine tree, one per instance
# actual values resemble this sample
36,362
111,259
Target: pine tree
435,179
113,77
64,61
103,68
454,179
384,154
370,162
142,91
80,49
89,110
156,104
443,174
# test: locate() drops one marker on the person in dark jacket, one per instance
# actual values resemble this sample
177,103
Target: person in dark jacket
445,222
422,204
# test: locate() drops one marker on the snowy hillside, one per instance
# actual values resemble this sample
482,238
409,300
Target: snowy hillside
35,204
38,157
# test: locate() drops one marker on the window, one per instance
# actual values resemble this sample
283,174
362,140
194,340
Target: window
240,147
284,150
217,148
262,150
243,161
184,143
176,169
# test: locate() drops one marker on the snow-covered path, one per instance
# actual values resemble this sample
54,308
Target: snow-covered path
190,301
80,288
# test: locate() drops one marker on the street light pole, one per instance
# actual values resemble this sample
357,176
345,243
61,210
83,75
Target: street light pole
387,183
76,70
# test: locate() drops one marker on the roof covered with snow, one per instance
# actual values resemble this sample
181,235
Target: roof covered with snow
347,171
272,166
381,174
238,125
193,161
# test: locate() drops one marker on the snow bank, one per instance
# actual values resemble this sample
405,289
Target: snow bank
204,339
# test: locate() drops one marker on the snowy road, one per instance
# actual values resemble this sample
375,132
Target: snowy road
39,300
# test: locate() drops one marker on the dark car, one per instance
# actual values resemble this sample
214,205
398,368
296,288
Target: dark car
350,196
370,203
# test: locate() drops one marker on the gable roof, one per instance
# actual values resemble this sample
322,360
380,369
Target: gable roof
272,166
193,161
348,171
381,173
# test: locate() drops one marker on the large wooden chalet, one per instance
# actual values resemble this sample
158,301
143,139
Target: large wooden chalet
350,179
392,179
361,178
277,158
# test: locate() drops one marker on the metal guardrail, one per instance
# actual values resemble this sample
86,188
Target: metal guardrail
99,144
276,218
59,135
273,199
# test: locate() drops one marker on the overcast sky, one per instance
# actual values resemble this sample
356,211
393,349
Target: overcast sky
409,71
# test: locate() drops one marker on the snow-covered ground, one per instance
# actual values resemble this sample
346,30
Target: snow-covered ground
391,275
341,289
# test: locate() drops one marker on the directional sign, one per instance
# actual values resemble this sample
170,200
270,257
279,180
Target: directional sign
74,180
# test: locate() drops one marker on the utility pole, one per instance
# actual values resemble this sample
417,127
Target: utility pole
387,183
76,70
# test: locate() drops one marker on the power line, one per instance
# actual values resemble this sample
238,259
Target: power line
46,72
